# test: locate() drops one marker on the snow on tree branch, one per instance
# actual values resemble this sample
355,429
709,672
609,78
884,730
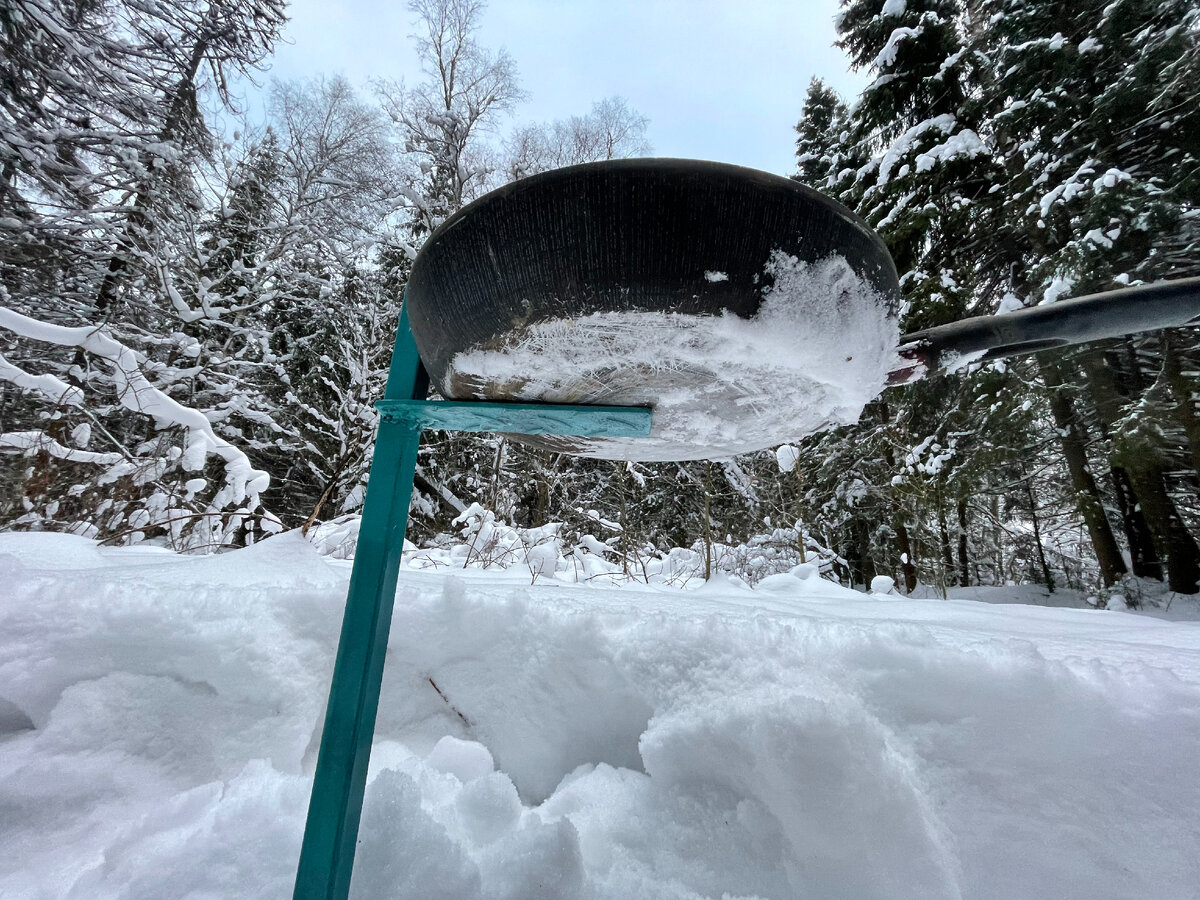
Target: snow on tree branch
48,385
27,441
136,393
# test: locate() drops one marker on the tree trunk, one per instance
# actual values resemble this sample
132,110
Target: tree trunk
944,534
853,556
800,512
1143,553
1170,533
1087,494
998,539
497,470
964,572
543,488
333,481
626,482
1181,390
858,554
1037,537
864,542
707,520
906,558
183,105
907,566
1144,468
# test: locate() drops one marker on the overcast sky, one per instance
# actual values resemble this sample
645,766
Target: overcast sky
718,79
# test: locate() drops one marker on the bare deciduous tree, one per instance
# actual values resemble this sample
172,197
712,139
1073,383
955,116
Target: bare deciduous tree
440,120
612,130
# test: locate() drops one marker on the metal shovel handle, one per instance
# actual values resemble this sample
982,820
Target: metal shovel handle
1166,304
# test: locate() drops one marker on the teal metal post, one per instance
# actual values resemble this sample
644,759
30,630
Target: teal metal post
327,856
331,832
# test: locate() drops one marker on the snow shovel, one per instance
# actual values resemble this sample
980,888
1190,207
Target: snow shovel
745,309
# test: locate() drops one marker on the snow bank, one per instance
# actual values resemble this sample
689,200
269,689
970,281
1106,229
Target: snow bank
719,385
160,717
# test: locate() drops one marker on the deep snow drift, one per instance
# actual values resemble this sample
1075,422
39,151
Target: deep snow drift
159,715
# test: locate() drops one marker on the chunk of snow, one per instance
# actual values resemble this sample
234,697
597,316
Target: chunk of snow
1069,189
784,582
1059,286
893,8
952,361
542,558
713,277
963,143
465,760
1110,179
887,56
805,572
786,457
903,145
882,584
1009,303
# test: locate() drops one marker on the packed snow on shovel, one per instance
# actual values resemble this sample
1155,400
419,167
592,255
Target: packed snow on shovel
819,348
159,719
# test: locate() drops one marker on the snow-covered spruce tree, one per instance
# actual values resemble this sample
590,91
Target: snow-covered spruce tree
1097,126
101,132
909,157
337,281
333,367
979,114
926,183
821,136
236,236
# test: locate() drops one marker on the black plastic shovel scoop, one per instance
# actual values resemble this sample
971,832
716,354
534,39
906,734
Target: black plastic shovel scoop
747,310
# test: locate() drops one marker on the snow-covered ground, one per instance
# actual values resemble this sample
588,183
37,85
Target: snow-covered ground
159,717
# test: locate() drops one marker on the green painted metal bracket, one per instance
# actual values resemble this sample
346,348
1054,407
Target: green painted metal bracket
331,831
520,418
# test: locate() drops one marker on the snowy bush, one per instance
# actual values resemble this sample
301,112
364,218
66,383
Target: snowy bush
484,541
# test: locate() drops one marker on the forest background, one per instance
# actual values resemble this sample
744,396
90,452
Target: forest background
196,310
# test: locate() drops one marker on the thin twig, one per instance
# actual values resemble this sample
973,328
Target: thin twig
455,709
